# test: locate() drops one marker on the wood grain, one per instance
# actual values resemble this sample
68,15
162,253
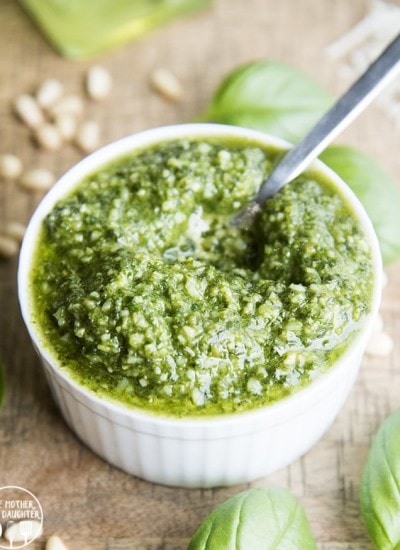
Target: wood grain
90,504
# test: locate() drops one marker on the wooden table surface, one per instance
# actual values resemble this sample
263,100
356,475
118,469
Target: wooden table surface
89,503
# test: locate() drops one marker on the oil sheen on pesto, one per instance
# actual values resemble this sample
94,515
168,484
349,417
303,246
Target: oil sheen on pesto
147,295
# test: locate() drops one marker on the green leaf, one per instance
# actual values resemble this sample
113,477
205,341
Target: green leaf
376,190
271,97
262,518
380,486
80,28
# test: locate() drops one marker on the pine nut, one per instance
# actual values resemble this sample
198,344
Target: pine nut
15,230
380,345
55,543
88,136
37,179
10,166
66,125
49,137
49,93
16,533
384,279
29,111
72,104
378,324
8,247
166,83
98,82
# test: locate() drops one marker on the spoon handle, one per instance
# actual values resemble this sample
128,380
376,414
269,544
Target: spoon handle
344,111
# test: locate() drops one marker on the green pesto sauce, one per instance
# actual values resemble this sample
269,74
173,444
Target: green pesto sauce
147,295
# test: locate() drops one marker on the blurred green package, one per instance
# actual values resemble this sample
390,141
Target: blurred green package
81,28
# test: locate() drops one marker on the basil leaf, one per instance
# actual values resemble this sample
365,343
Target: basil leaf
376,190
271,97
380,486
258,518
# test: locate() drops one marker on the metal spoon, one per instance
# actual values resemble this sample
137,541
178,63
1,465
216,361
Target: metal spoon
343,112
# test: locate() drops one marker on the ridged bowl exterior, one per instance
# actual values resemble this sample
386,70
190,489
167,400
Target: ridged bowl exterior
206,454
202,452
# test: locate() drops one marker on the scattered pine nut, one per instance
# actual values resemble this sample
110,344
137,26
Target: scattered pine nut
49,137
8,247
10,166
88,136
166,84
380,345
384,279
98,82
29,111
378,324
66,125
71,104
55,543
15,230
37,179
49,93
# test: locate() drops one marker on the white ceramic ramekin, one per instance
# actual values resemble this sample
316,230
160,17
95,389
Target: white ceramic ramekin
203,452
